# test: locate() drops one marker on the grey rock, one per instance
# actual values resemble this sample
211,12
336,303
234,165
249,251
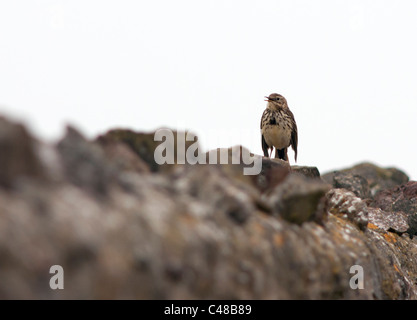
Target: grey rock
84,162
273,172
123,229
18,157
122,156
210,185
144,145
399,202
309,172
378,178
298,199
388,221
346,204
355,183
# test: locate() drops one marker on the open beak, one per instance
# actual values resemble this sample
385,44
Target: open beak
266,98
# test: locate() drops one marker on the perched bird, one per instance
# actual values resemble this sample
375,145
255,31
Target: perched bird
278,128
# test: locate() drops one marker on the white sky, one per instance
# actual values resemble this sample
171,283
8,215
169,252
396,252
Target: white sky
347,68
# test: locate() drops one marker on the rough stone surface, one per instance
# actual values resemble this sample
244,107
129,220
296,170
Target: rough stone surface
310,172
298,199
17,154
123,228
376,177
399,204
274,171
145,144
388,221
84,162
355,183
351,207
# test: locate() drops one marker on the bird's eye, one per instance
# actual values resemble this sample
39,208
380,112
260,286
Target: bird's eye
276,99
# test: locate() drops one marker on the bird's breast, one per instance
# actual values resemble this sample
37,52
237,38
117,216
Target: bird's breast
277,136
277,130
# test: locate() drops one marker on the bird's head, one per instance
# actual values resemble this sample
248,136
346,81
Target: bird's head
276,101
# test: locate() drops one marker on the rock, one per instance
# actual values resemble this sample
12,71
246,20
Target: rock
376,177
145,145
388,221
84,162
309,172
121,155
273,172
123,228
17,154
346,204
400,198
230,161
355,183
298,199
399,203
209,185
412,225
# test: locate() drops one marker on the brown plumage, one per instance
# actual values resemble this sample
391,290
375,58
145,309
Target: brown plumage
278,128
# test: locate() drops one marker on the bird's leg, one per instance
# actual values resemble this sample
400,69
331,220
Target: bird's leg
281,154
287,159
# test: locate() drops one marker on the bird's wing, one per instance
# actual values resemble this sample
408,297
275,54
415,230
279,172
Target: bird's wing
265,147
294,134
262,118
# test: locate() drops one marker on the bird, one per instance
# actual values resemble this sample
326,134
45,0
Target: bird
278,128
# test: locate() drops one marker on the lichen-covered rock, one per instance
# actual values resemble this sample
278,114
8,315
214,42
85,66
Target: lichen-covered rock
122,156
17,154
123,229
377,178
388,221
231,162
400,198
273,172
298,199
145,144
209,185
355,183
399,202
84,162
346,204
309,172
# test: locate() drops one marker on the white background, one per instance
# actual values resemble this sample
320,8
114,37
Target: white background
347,68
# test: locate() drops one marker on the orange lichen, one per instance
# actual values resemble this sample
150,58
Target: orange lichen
372,226
259,229
188,219
390,237
278,240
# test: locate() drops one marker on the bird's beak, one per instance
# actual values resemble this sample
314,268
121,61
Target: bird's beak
266,99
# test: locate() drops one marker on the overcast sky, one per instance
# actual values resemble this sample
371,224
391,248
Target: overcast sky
348,70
